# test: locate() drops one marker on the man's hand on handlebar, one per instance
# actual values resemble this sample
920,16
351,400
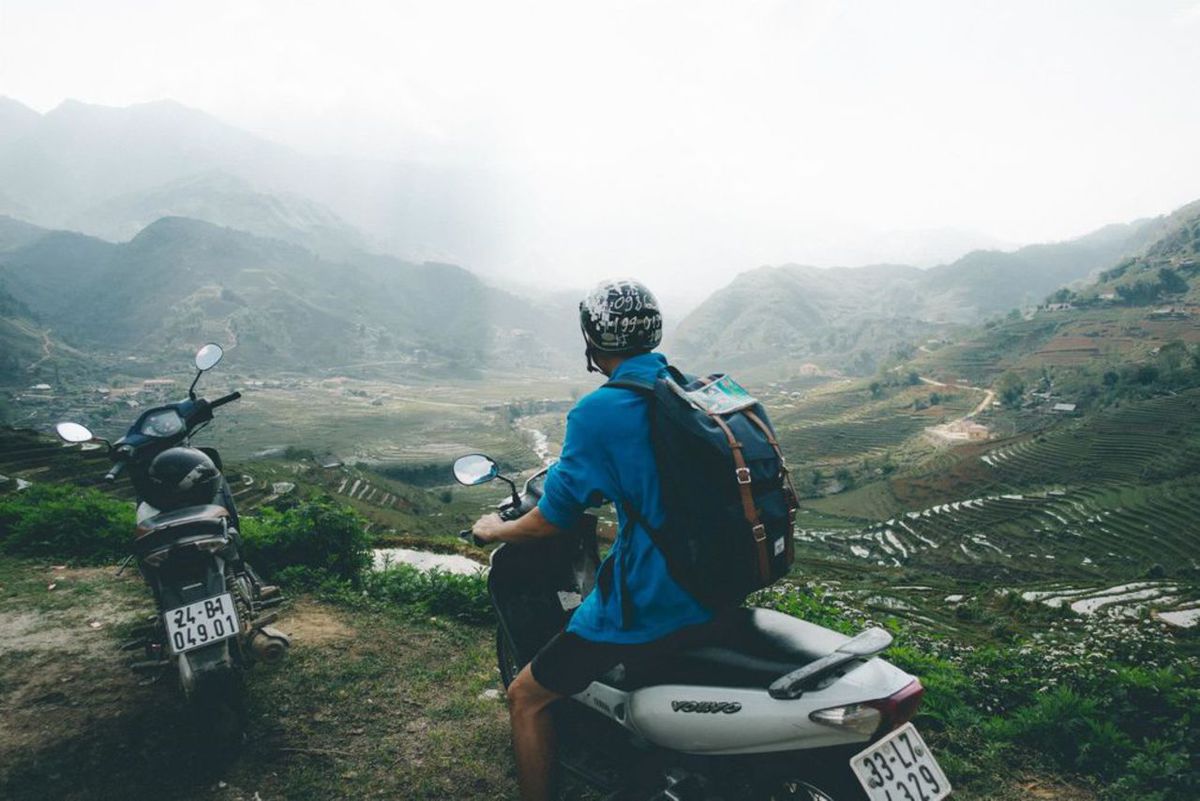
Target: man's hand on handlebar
528,527
487,527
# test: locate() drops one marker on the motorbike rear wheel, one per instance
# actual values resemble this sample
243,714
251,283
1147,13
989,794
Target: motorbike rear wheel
218,708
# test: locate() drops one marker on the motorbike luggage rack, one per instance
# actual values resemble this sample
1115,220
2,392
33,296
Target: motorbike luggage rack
867,643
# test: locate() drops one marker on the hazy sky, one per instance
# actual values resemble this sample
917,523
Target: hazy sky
664,138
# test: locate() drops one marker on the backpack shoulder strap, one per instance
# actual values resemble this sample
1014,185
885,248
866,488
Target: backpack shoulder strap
623,383
637,385
646,387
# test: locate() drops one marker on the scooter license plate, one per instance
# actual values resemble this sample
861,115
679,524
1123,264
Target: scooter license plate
201,623
900,767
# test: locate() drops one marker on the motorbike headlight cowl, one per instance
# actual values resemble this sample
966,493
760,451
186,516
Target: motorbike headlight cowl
858,718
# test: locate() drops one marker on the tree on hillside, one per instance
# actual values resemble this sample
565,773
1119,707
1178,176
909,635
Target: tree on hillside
1172,356
1171,282
1010,387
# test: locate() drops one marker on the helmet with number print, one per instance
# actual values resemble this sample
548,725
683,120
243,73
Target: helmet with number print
620,316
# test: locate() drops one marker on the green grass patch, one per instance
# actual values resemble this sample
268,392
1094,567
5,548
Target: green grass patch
65,522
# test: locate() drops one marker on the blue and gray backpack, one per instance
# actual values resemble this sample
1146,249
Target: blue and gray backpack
730,504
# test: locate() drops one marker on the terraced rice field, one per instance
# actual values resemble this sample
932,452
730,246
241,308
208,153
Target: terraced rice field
1130,600
1108,496
839,422
37,458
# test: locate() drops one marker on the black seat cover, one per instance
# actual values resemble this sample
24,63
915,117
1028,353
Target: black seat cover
742,648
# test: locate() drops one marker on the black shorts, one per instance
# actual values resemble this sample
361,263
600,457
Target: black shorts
568,663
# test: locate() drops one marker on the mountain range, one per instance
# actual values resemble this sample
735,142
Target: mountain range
855,319
110,171
156,226
181,281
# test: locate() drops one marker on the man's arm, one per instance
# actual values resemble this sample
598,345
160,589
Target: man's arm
527,528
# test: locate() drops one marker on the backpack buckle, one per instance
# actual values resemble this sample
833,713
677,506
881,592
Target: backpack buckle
760,532
743,475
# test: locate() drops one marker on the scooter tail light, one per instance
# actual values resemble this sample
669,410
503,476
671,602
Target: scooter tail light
899,707
862,719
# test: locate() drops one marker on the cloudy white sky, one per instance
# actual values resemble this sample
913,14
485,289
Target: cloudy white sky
685,137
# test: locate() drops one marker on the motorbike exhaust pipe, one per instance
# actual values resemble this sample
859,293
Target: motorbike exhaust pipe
269,644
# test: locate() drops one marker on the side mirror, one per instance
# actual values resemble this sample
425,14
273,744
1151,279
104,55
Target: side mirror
208,356
475,469
74,433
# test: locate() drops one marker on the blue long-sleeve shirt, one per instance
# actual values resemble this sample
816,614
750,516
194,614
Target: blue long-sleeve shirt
607,456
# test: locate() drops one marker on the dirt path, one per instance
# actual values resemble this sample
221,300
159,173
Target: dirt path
989,395
47,349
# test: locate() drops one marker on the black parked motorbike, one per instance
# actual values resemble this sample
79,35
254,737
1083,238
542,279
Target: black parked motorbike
213,619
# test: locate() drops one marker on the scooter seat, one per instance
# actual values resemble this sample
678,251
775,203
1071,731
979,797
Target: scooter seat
744,648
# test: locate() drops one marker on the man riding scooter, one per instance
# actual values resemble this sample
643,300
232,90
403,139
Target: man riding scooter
639,612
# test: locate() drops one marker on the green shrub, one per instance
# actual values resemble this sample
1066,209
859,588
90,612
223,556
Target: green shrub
65,522
326,538
463,597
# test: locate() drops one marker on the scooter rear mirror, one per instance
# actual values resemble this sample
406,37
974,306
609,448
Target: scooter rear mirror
208,356
475,469
74,433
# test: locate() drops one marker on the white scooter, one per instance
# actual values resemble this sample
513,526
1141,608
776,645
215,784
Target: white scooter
772,707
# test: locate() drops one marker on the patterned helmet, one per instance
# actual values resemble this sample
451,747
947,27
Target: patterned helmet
620,316
180,477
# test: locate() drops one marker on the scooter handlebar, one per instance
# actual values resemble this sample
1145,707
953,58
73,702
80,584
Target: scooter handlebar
232,396
114,471
467,535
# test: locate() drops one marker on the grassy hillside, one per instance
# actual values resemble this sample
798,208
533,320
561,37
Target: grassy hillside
181,282
855,320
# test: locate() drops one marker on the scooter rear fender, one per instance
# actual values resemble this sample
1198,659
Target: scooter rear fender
734,720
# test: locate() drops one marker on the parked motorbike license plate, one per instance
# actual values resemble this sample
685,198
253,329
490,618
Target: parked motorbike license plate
900,767
201,623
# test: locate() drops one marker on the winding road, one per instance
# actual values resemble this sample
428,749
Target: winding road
989,395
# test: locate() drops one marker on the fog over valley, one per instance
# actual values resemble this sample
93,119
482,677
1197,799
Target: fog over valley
682,142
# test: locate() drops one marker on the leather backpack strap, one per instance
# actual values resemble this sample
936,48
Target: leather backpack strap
786,475
742,474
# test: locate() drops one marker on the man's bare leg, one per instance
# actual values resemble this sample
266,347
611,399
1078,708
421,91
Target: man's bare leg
533,734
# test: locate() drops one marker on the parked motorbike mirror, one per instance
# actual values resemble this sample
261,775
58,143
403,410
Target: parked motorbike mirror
206,359
208,356
74,433
475,469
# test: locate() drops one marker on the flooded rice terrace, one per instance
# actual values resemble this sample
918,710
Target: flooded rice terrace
425,561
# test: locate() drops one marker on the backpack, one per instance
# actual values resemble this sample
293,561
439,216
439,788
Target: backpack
730,505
